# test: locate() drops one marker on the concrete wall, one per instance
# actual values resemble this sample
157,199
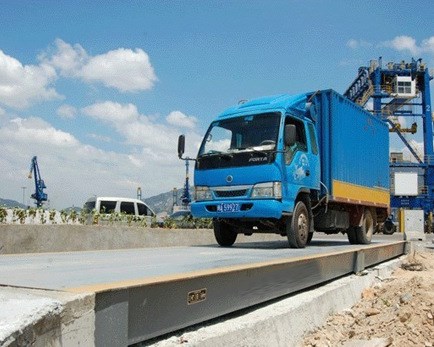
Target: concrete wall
64,238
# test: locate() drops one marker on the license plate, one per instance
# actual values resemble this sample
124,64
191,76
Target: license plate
228,207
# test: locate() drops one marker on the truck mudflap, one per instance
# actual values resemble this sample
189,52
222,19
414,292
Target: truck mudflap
264,208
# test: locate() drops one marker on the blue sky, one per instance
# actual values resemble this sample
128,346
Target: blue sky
100,90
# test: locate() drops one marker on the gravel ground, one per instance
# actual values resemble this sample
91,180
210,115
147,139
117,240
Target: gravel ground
398,311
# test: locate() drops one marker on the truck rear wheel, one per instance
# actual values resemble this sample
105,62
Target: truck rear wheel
298,227
389,228
352,235
224,233
364,234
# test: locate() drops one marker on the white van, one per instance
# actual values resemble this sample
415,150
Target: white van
108,205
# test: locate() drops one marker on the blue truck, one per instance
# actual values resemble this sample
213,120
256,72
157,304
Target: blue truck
292,165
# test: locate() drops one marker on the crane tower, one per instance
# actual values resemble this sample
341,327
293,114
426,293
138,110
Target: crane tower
401,91
39,194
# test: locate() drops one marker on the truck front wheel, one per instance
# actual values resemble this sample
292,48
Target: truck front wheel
298,227
224,233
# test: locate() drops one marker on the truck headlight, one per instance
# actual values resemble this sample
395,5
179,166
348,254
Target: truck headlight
270,190
202,193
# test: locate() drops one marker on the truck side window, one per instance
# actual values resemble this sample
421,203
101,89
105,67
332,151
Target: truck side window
127,207
107,206
313,143
300,142
143,211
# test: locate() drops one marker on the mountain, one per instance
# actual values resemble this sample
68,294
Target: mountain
11,203
164,202
159,203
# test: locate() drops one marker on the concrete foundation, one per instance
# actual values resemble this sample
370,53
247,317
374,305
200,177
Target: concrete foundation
30,317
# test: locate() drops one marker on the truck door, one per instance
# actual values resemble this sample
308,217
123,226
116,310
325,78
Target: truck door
301,159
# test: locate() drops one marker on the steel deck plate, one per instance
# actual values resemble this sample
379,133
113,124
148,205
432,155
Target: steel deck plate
84,269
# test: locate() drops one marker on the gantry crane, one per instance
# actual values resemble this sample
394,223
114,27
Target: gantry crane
39,194
402,90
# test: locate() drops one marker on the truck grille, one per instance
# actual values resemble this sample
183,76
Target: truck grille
230,193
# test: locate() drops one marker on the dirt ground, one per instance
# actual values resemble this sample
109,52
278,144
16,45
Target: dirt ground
398,311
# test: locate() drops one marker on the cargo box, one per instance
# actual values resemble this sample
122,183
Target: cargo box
354,149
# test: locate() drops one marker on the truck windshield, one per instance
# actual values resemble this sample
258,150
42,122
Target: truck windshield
242,134
240,141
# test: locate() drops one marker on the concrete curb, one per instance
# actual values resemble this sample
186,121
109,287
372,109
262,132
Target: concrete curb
282,323
17,239
31,317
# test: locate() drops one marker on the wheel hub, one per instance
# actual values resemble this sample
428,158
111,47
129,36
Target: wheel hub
302,226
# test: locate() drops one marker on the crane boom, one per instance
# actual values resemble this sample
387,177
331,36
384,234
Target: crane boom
39,194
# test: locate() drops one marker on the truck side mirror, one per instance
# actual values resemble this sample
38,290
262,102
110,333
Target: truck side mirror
181,146
290,134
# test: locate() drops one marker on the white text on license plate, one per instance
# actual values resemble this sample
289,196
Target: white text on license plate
228,207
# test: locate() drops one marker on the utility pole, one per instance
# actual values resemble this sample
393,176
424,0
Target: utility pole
139,193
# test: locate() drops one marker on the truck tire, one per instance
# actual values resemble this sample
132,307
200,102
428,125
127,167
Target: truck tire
352,235
224,233
388,227
309,237
298,227
365,231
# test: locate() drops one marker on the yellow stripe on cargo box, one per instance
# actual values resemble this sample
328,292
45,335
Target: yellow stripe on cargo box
376,195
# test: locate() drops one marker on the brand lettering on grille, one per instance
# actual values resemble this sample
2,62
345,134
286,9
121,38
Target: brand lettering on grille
257,159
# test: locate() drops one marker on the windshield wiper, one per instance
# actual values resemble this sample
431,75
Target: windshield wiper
253,149
217,153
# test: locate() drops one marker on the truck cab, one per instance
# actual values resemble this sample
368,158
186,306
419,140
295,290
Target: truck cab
256,162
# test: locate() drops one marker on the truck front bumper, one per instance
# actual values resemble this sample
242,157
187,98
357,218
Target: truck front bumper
254,209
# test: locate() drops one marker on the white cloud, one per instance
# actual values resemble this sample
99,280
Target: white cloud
403,43
23,85
355,44
155,140
141,130
179,119
66,58
38,131
124,69
112,112
101,138
428,45
74,171
67,111
408,43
